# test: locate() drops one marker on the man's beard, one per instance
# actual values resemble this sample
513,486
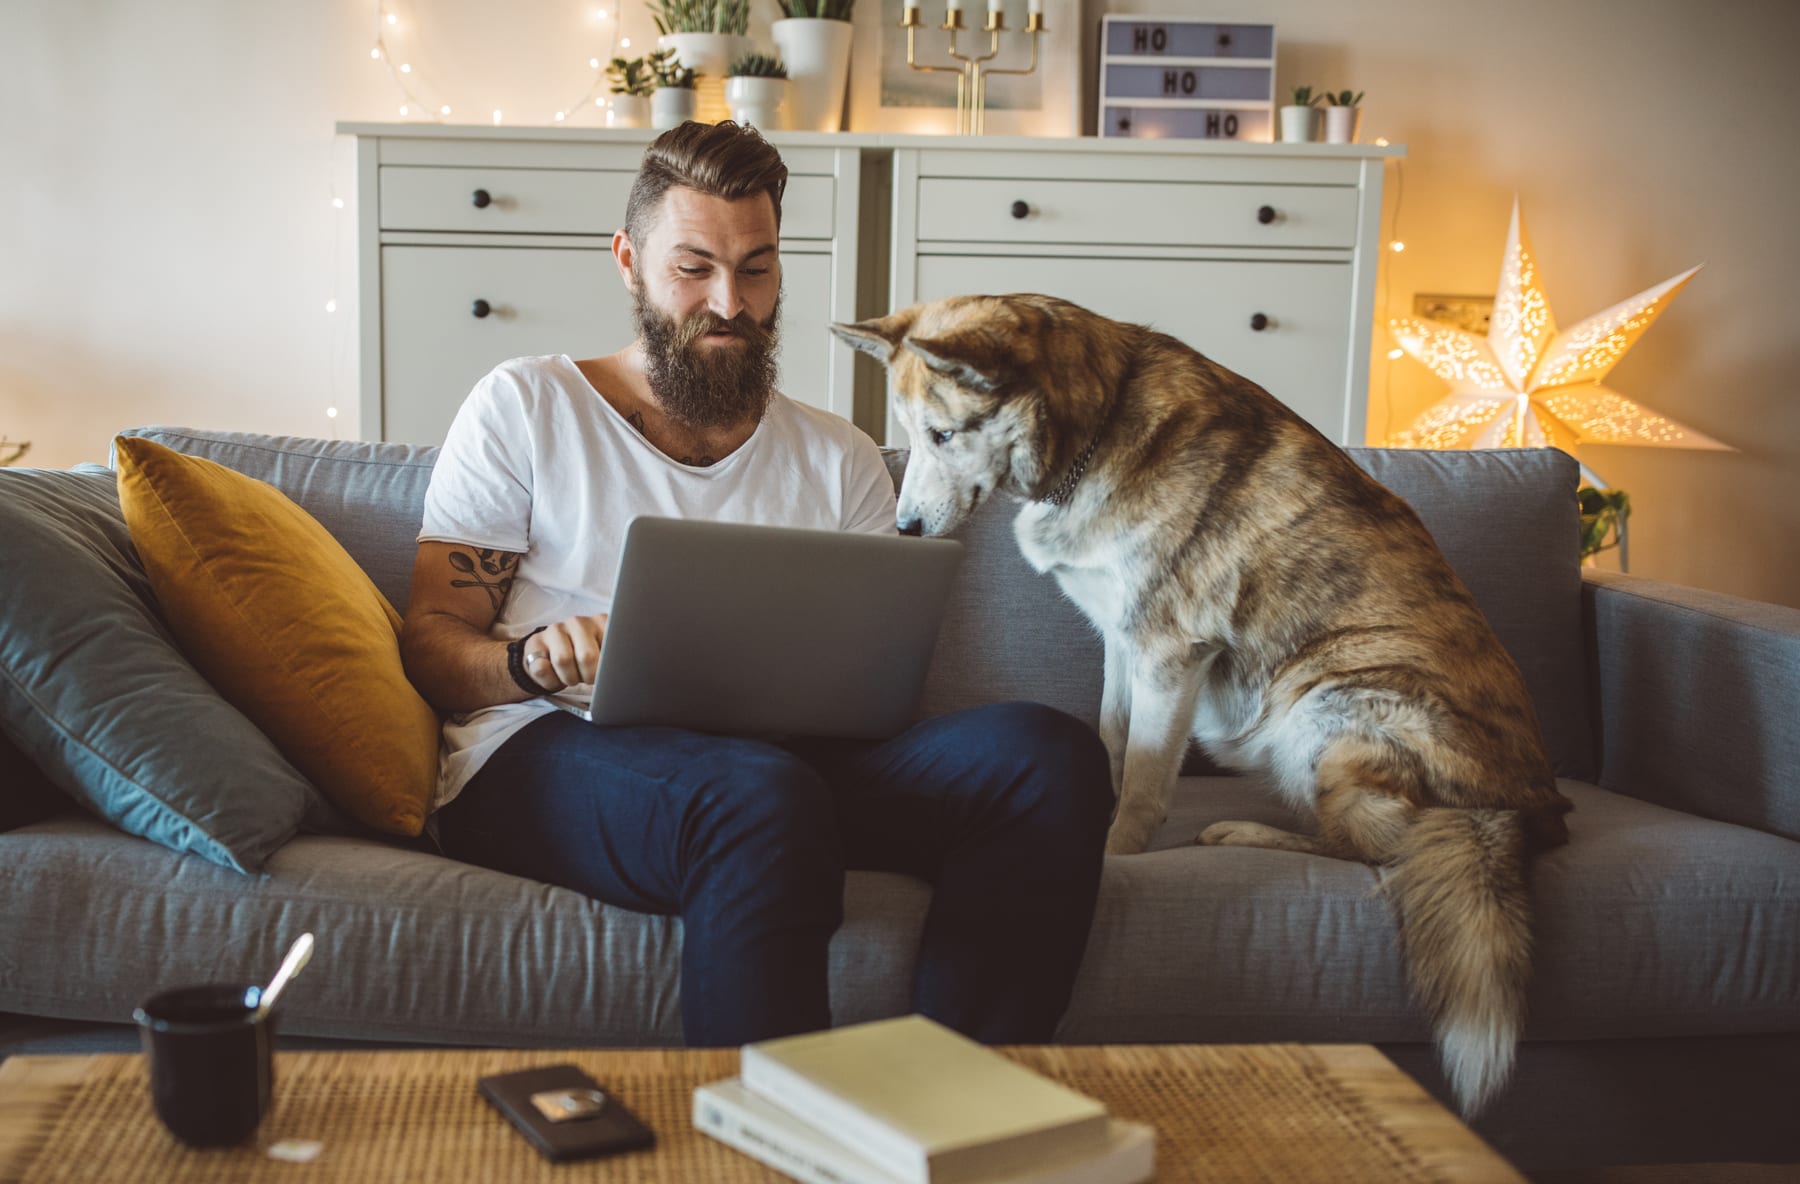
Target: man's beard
707,386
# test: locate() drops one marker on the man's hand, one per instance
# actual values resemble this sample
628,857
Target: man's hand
566,654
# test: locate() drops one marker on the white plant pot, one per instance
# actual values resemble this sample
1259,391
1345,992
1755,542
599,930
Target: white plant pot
671,106
756,102
709,55
816,53
1342,124
628,111
1297,124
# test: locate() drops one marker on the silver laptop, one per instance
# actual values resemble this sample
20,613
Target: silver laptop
767,630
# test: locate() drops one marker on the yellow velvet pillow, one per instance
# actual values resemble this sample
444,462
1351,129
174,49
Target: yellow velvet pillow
278,617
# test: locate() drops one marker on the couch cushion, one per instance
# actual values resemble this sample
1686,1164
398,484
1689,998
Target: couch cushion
411,947
94,692
277,615
371,497
1506,520
1650,923
1008,632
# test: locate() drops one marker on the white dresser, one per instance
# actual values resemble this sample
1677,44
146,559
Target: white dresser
481,244
1260,256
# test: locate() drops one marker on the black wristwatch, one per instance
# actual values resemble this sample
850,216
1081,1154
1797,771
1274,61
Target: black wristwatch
515,664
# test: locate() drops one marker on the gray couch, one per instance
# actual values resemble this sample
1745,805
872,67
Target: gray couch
1664,1015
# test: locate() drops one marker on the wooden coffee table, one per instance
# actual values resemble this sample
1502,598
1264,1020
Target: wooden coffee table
1222,1112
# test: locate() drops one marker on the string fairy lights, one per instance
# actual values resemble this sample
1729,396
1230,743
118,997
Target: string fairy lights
412,89
418,104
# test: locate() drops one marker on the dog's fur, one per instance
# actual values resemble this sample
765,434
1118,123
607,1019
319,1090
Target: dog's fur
1261,593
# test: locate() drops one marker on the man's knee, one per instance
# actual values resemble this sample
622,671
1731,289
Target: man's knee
756,795
1061,759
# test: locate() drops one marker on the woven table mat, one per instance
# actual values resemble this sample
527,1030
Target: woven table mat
1245,1112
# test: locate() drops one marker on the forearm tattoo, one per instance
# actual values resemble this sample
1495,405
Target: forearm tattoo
484,563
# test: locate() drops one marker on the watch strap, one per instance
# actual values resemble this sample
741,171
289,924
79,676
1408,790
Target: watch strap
515,664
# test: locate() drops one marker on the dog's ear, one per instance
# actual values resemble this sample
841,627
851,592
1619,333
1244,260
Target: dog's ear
878,338
973,359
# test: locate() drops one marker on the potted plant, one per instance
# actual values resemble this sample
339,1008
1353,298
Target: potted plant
1297,117
814,39
706,36
1343,117
672,102
754,90
632,84
1603,514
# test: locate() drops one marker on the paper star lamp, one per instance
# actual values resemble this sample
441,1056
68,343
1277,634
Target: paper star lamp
1527,384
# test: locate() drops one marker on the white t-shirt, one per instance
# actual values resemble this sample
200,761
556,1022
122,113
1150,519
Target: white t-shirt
539,464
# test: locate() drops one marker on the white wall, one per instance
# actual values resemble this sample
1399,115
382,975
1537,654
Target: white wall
167,242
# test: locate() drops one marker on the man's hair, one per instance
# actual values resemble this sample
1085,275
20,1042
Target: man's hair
718,159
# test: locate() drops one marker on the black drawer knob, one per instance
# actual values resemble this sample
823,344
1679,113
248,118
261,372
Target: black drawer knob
1020,210
481,308
1259,322
482,199
1266,215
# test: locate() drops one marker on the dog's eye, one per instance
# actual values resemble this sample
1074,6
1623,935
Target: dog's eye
939,438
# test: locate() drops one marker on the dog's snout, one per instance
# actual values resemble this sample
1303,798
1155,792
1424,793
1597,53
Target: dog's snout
911,526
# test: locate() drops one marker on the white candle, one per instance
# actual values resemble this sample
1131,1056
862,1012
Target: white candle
994,5
1034,7
912,5
955,5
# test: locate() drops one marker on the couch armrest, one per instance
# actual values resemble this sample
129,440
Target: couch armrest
1697,699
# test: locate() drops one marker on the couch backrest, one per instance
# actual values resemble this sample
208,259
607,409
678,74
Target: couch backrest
1506,519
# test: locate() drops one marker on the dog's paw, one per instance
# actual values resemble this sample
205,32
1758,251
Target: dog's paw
1255,834
1224,834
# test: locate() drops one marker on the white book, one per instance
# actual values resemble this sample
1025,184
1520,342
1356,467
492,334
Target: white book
923,1103
764,1131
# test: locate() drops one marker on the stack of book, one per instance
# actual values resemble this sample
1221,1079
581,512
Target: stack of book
907,1101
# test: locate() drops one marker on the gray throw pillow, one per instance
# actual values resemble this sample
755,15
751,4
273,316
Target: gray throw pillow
95,694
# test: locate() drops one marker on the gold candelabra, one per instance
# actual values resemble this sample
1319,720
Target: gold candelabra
973,71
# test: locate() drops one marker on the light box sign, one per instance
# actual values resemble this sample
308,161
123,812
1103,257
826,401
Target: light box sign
1189,79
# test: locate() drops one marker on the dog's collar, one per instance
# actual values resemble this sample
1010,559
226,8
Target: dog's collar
1065,489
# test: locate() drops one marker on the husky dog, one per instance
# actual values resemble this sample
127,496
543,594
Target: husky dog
1258,592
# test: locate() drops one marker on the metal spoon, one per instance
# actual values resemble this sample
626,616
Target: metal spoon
263,998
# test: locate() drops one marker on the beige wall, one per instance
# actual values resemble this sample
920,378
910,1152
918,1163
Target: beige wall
167,242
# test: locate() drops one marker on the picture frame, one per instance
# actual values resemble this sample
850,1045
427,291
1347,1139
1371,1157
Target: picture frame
887,96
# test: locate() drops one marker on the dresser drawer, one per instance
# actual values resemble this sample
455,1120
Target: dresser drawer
503,201
552,201
1135,213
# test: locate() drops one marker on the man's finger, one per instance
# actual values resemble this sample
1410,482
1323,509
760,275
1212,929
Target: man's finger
587,653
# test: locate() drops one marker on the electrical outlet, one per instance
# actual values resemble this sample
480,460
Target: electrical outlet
1465,312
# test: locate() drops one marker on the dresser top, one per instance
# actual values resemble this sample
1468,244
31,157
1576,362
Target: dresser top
1094,144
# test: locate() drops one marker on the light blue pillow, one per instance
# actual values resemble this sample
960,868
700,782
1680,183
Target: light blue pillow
94,692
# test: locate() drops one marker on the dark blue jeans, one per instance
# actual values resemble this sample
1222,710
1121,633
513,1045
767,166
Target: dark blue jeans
1004,810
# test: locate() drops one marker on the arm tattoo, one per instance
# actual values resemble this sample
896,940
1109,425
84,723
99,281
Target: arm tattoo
499,564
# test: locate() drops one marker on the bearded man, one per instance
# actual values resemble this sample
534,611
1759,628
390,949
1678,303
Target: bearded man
1003,808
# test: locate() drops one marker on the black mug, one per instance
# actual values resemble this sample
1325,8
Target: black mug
211,1061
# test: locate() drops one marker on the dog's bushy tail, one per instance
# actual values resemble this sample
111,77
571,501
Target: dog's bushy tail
1465,921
